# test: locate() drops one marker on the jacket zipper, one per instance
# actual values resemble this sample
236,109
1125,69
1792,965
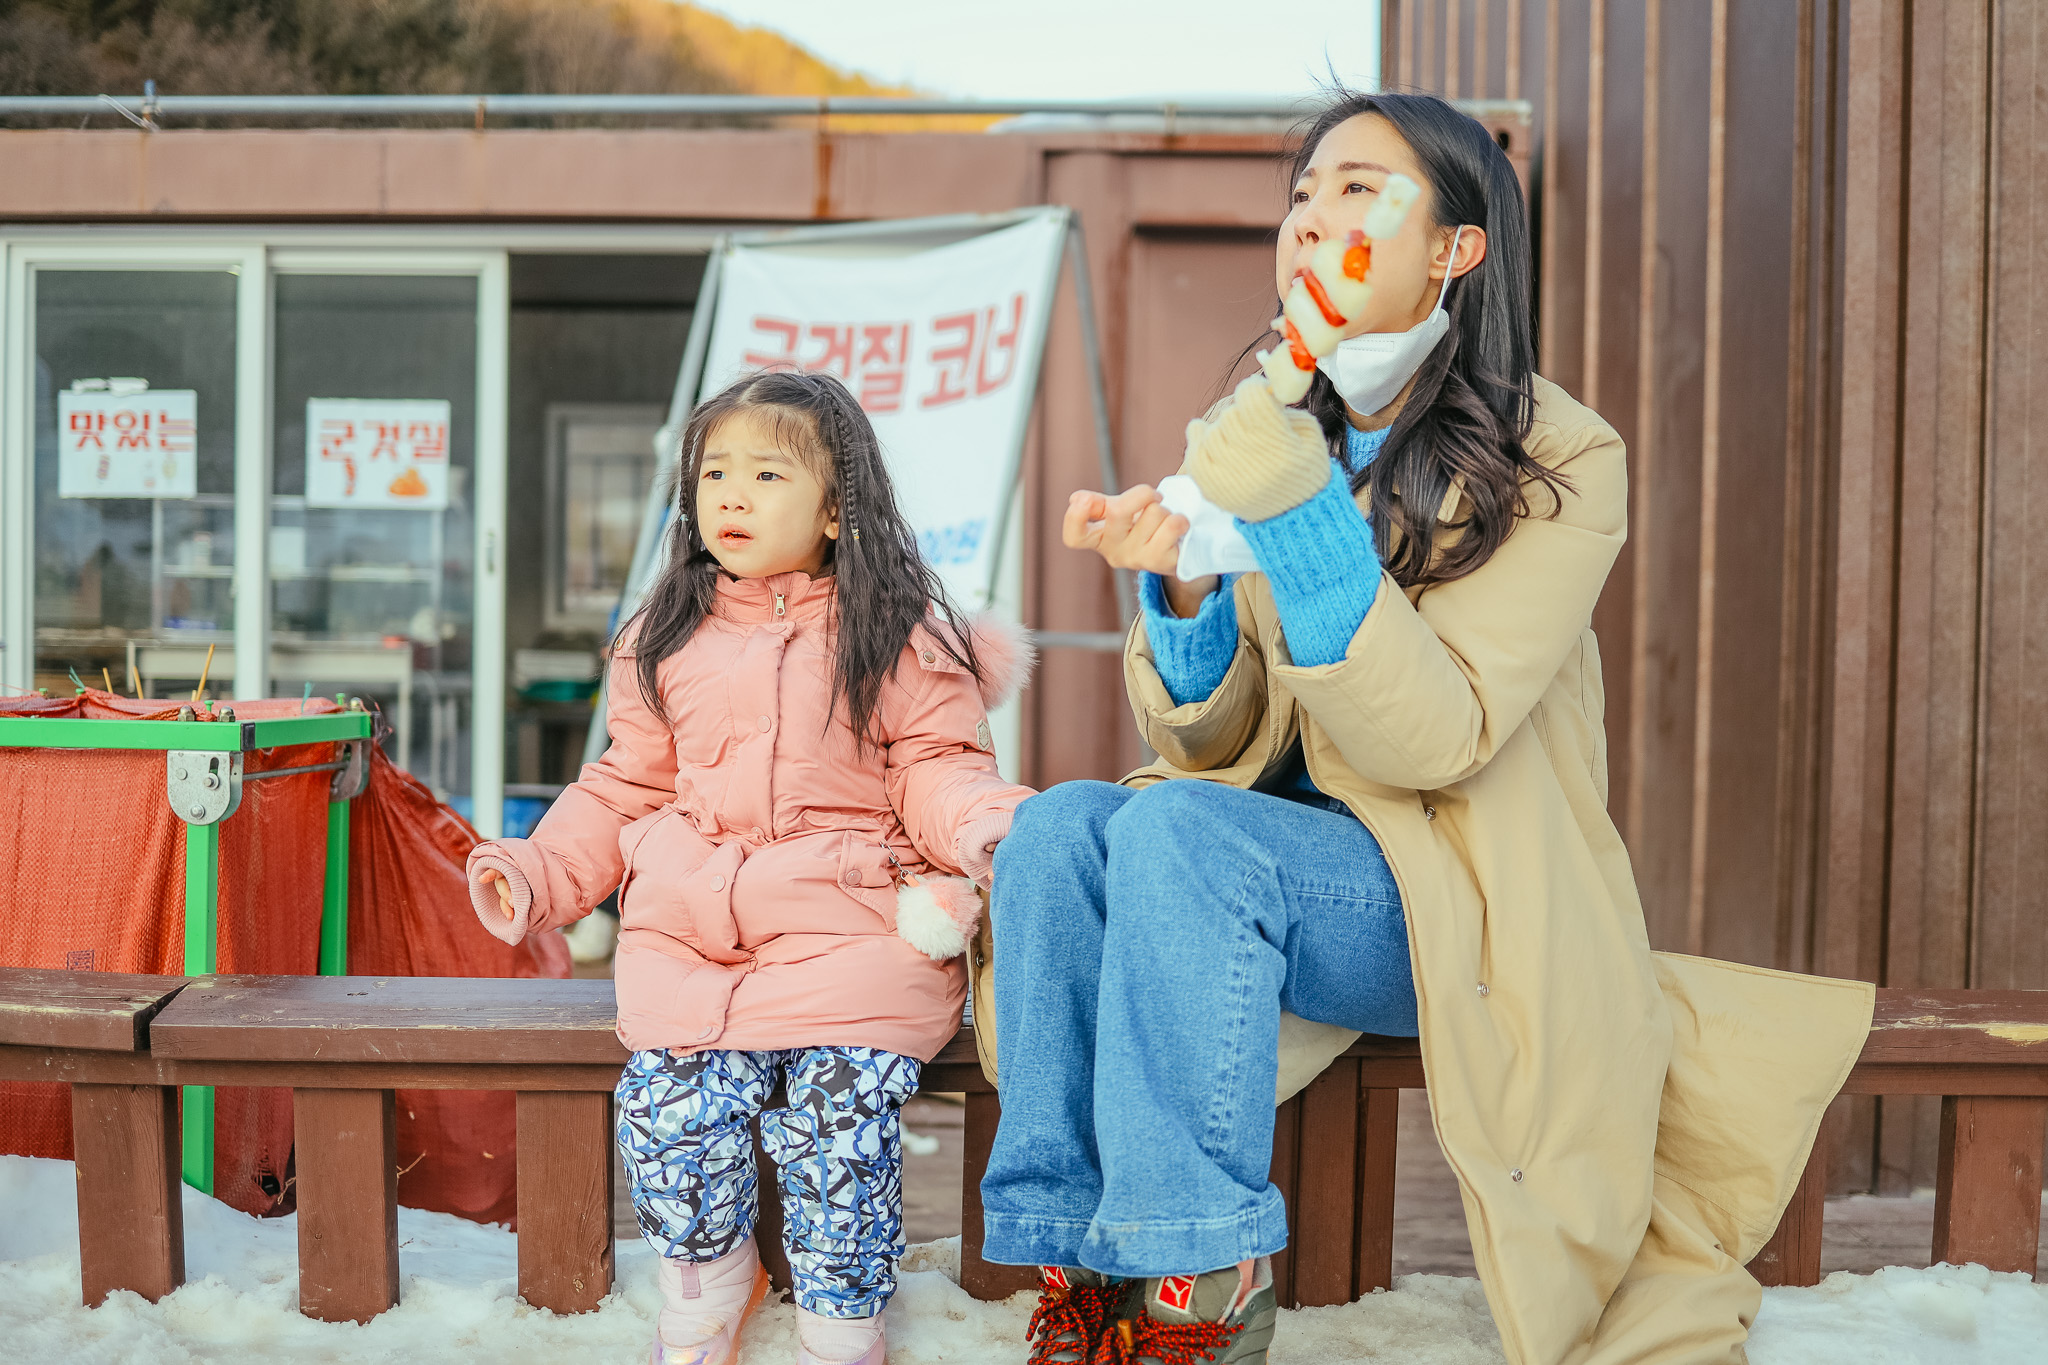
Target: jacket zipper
778,604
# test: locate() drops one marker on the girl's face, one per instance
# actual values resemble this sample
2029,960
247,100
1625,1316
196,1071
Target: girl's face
1343,180
760,509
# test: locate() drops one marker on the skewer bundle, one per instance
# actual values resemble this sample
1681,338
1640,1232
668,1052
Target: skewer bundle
1330,293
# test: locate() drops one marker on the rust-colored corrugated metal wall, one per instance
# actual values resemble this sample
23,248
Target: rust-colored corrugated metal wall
1797,252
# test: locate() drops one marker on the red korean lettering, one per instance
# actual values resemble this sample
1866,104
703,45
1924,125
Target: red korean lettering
387,438
884,365
86,427
429,440
132,429
175,435
837,354
784,356
1003,343
954,362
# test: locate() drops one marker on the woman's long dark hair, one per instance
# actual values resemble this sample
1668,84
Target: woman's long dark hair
1471,405
885,589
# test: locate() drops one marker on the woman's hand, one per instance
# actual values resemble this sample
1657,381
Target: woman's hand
1133,530
490,876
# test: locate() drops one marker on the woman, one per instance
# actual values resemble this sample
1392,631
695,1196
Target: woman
1401,827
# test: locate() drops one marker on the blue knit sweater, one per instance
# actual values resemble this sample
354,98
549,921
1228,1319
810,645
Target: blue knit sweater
1320,561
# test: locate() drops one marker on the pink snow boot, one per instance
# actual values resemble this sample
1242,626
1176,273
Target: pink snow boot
840,1341
704,1306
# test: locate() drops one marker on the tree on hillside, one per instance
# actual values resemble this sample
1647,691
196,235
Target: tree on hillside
241,47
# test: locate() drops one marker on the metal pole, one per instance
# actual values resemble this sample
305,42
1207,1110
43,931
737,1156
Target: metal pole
1091,356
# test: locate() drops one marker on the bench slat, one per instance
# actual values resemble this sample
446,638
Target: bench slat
460,1020
102,1011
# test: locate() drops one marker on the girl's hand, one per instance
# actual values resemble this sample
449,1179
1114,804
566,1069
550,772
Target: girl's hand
1133,530
490,876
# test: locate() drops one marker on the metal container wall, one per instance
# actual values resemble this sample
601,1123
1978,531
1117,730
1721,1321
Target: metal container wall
1797,252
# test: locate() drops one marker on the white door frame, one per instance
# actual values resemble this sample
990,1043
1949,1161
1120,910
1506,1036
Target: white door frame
257,258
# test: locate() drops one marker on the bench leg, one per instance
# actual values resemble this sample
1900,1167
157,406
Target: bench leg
1987,1184
565,1198
1325,1219
983,1280
345,1145
1792,1256
1379,1136
1285,1175
131,1218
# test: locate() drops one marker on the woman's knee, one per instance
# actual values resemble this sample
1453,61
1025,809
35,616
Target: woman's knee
1059,822
1175,812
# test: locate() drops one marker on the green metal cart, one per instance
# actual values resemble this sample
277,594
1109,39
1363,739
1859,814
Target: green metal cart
203,777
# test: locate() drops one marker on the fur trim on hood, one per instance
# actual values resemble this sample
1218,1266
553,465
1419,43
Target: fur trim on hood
1005,653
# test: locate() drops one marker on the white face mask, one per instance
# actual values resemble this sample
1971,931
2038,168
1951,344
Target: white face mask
1370,370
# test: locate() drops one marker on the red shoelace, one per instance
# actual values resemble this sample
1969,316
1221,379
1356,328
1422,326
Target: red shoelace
1147,1339
1080,1313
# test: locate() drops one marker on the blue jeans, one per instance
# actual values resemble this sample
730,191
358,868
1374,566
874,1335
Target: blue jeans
1147,942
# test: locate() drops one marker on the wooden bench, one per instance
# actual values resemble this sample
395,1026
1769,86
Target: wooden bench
344,1044
131,1218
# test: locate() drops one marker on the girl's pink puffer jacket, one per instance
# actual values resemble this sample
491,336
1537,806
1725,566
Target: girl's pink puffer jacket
750,838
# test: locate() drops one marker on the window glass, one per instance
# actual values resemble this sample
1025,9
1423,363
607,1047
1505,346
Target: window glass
134,391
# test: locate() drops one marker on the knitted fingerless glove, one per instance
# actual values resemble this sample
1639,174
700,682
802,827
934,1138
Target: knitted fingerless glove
1258,458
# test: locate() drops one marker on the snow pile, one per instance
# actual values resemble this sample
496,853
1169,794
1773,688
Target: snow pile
459,1303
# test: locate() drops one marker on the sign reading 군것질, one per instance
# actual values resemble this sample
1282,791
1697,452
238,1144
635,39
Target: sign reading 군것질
142,444
377,452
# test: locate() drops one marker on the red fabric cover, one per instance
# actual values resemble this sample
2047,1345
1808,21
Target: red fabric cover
92,878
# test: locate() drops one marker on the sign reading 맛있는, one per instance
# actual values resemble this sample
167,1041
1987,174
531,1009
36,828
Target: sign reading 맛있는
128,445
377,452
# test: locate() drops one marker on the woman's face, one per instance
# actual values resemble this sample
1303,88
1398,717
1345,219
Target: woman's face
1344,178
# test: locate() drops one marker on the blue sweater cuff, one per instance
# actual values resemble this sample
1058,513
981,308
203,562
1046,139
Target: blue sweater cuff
1190,654
1320,562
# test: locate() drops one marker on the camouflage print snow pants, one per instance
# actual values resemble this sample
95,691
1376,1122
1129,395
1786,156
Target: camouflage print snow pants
684,1130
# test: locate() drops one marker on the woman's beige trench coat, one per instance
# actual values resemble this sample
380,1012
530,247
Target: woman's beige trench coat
1626,1126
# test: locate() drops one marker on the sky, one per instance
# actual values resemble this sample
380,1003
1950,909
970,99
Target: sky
1081,49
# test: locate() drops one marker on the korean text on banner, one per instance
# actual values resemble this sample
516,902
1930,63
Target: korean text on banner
939,346
377,452
128,445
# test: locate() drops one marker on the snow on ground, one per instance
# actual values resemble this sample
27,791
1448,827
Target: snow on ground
459,1304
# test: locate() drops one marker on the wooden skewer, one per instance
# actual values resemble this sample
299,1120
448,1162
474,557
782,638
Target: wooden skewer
204,669
108,678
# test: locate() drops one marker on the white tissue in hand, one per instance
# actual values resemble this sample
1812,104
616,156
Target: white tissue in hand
1213,544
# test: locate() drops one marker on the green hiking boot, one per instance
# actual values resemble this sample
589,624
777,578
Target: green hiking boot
1190,1319
1074,1313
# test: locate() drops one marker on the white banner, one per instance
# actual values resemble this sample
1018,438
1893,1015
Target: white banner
377,452
940,346
128,445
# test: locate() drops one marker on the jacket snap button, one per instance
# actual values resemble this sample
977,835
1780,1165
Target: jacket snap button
852,877
1429,812
1484,989
707,1033
766,725
925,655
1516,1175
718,883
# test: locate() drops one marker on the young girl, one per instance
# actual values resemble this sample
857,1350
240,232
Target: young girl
800,758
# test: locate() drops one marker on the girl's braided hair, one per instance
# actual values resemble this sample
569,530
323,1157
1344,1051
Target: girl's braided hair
885,589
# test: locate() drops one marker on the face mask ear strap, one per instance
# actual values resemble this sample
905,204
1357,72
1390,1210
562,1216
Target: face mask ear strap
1450,265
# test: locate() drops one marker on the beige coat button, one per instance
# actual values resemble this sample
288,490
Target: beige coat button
1484,989
1516,1175
1429,812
